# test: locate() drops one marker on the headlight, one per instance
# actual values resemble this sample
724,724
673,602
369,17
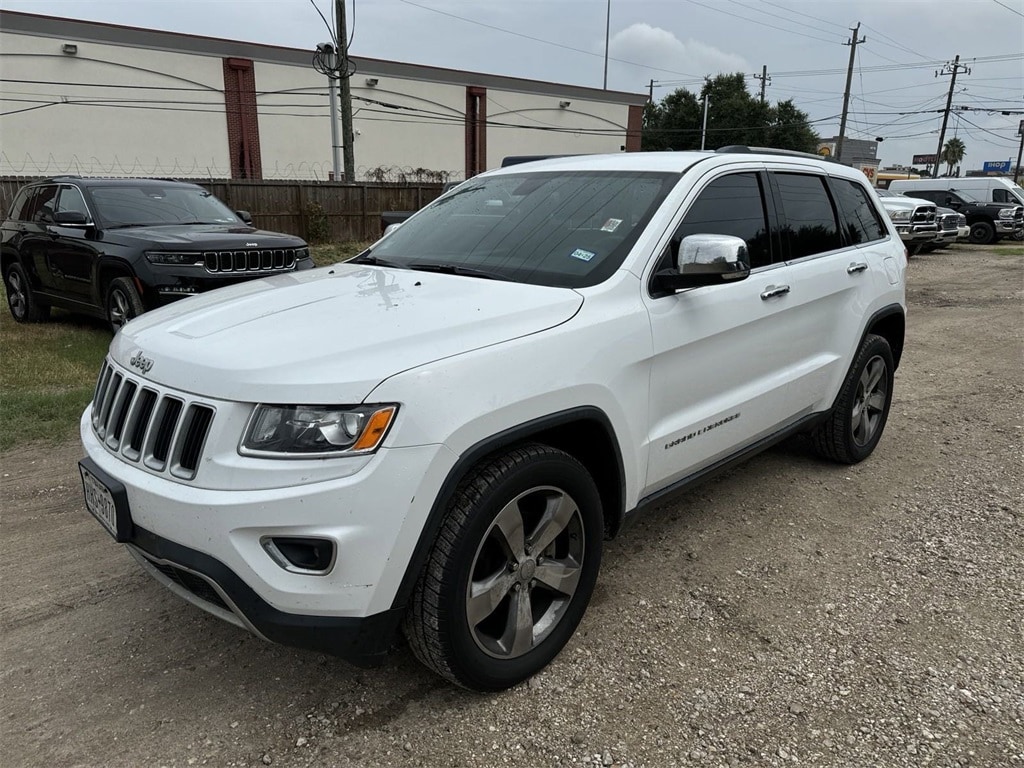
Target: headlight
301,253
899,215
316,431
175,259
1006,213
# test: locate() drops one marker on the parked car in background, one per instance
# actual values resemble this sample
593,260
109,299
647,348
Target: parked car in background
989,221
986,189
951,225
480,399
915,220
115,248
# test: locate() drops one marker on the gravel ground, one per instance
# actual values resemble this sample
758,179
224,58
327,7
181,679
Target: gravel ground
791,612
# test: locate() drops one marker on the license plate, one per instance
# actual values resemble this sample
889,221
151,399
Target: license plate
100,501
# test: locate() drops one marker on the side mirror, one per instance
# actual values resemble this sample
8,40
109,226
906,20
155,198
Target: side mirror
704,260
71,219
244,216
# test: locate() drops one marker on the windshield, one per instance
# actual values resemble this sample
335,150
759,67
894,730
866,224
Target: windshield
569,229
146,205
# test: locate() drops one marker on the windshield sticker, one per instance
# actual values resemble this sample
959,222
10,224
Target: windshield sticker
583,255
611,225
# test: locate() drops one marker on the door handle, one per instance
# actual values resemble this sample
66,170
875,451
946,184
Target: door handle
774,290
856,266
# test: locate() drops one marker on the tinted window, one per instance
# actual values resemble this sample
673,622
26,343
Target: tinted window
568,229
19,208
810,220
860,220
70,199
731,205
40,206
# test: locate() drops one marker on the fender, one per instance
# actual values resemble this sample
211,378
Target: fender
496,442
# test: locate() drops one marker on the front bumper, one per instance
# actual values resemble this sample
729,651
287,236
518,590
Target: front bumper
917,233
207,545
1007,226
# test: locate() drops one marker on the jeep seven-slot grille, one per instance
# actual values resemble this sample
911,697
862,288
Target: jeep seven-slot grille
256,260
163,431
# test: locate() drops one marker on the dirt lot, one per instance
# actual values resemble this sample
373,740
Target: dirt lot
791,612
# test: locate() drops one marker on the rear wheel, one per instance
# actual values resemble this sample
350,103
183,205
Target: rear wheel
24,306
855,424
123,303
511,572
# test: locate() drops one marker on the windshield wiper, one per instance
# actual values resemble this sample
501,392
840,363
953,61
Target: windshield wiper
128,226
455,269
373,261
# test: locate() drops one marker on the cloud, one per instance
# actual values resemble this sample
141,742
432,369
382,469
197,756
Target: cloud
668,57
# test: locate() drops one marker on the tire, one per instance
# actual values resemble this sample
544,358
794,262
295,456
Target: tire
857,419
982,233
529,598
24,306
123,303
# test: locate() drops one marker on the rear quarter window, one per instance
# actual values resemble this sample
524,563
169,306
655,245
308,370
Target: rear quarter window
858,217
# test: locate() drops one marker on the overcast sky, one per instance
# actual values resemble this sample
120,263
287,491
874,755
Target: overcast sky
895,92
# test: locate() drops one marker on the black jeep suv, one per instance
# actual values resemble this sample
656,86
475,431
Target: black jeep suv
117,247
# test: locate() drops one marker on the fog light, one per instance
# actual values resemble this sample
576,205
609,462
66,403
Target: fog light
299,554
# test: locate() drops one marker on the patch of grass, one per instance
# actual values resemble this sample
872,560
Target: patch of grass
332,253
47,375
1010,250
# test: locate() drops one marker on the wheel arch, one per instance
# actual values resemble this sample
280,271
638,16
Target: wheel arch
890,323
586,433
108,271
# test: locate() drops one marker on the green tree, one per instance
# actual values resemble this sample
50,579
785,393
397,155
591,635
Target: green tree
953,153
734,117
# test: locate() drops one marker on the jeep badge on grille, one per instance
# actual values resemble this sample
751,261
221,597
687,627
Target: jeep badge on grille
141,362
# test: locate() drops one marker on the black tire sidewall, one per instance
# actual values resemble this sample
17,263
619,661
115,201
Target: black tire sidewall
986,233
874,346
123,286
471,665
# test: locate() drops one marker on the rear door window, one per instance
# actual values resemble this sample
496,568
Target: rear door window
809,218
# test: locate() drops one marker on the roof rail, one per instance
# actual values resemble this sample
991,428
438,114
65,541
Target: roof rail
742,148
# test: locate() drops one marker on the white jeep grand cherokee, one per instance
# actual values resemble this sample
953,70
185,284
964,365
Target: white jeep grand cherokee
439,435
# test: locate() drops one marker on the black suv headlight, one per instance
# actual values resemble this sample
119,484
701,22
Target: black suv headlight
316,431
175,259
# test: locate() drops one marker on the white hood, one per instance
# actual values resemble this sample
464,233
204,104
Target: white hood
333,333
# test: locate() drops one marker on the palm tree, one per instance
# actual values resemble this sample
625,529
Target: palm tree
953,153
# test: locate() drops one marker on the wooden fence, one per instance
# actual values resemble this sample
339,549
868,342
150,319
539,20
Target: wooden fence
315,211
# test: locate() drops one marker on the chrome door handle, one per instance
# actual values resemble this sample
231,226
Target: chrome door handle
856,266
774,290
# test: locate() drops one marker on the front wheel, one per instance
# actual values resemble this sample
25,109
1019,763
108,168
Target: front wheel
123,303
982,233
511,572
854,426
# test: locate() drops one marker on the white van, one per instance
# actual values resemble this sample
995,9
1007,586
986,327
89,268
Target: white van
986,189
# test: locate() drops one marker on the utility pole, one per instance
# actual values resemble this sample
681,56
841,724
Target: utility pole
607,31
347,138
949,69
853,42
1020,152
765,79
704,130
650,92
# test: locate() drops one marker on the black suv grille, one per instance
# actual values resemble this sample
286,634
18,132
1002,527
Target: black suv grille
163,431
256,260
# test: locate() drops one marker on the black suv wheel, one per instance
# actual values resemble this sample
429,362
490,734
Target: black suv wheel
24,306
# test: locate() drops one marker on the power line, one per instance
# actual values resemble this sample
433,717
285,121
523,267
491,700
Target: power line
754,21
1011,10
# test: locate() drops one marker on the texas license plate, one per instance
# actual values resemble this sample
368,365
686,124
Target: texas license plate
100,501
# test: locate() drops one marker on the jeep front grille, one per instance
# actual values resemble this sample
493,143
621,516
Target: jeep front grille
135,419
256,260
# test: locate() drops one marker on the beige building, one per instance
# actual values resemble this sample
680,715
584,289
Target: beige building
98,99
